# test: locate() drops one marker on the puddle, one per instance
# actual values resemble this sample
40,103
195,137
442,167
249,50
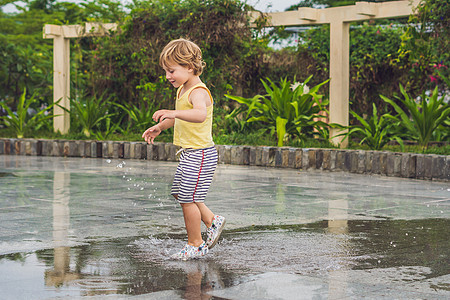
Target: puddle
4,174
76,228
402,251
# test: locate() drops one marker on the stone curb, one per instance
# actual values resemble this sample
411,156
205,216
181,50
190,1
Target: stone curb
406,165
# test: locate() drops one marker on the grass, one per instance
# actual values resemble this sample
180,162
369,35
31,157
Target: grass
250,139
258,139
440,150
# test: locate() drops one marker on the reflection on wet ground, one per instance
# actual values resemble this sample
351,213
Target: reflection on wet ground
88,227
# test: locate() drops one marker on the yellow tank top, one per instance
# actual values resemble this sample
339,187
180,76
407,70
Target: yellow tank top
188,134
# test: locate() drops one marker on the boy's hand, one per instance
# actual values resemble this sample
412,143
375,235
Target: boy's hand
163,114
150,134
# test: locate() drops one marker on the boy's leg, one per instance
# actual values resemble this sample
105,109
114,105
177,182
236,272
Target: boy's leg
192,220
206,213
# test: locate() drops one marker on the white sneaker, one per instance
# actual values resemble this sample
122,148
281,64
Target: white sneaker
191,252
213,232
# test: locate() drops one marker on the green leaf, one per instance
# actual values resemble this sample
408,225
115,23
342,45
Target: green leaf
281,130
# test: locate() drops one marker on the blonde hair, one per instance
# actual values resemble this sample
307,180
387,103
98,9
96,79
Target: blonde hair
182,52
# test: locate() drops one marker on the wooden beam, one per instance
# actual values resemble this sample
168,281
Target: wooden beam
365,11
72,31
308,14
366,8
305,16
51,31
77,31
99,29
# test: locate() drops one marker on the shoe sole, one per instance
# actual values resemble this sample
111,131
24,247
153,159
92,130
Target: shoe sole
177,256
218,236
184,258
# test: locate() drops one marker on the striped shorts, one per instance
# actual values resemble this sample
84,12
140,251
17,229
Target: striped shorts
194,174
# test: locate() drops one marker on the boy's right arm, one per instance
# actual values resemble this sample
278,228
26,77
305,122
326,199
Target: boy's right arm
150,134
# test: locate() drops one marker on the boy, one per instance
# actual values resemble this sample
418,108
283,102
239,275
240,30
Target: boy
192,122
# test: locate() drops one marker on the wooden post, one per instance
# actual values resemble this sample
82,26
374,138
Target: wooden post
339,77
61,83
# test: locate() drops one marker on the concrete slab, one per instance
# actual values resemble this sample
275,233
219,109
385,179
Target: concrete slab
104,228
274,285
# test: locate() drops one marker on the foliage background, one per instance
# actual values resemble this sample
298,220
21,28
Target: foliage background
124,66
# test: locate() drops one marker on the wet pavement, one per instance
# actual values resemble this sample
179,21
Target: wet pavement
96,228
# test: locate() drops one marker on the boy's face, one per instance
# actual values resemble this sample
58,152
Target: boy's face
178,75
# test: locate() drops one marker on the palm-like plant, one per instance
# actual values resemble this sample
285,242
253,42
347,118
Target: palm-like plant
285,109
375,131
90,113
110,129
422,118
21,121
140,115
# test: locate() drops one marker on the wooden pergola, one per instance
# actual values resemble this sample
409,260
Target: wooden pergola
61,36
339,19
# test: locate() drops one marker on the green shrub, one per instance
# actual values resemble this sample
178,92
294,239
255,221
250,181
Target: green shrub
285,110
375,131
89,112
421,118
20,120
131,57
